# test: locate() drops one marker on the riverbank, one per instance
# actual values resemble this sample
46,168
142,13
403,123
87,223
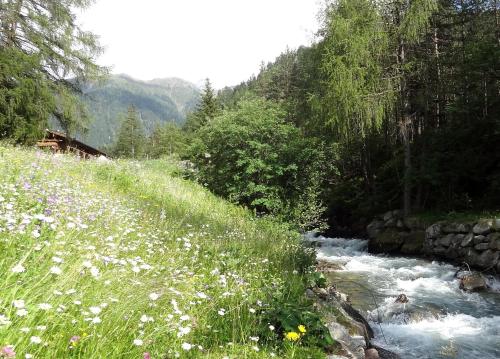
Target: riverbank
472,242
437,320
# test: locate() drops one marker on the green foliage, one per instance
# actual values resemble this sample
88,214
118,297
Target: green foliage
316,279
251,156
131,137
358,92
178,255
207,109
25,97
50,48
168,139
288,315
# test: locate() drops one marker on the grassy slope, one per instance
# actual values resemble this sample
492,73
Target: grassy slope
126,251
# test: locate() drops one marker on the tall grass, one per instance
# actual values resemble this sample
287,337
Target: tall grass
127,260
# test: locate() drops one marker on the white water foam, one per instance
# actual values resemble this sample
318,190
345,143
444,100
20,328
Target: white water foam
439,318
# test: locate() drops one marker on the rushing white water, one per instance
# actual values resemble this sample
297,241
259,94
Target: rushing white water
439,321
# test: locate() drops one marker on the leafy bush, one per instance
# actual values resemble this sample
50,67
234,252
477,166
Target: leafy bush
251,156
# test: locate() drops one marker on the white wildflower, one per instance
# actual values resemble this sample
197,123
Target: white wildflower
19,303
55,270
138,342
95,310
57,259
44,306
18,268
154,296
35,340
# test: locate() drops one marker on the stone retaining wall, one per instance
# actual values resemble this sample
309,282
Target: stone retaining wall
476,243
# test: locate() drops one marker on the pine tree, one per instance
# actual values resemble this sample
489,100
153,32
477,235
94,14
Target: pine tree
60,55
131,138
208,108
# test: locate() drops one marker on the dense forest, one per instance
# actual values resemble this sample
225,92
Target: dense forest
396,104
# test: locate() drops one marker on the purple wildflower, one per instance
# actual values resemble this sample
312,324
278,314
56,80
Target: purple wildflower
7,352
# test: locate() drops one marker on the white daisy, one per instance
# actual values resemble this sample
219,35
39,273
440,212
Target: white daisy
18,268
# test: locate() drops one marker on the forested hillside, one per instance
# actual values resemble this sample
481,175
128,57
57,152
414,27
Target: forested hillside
158,101
401,98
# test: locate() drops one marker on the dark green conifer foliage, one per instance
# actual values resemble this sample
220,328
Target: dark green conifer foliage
58,53
131,137
207,109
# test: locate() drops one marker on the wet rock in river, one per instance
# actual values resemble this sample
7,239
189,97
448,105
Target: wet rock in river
473,282
371,353
387,241
385,354
413,242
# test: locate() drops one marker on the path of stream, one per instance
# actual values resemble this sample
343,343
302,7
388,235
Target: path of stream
439,321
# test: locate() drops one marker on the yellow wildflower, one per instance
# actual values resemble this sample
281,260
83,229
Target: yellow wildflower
302,329
292,336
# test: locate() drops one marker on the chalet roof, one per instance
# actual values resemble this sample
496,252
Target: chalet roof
56,137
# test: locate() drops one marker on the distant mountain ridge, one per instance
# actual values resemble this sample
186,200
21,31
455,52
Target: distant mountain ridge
157,102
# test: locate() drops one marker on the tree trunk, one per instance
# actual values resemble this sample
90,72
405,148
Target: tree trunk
405,127
435,40
497,21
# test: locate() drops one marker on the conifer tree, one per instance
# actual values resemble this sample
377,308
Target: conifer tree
131,138
208,108
61,57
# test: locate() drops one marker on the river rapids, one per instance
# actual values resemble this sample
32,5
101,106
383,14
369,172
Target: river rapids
439,320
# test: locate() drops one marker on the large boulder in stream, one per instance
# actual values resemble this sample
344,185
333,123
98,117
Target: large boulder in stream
413,243
472,282
388,241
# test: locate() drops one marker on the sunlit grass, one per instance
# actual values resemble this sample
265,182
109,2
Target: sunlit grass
127,260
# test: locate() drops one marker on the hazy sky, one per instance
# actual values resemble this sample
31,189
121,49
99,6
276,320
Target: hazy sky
225,40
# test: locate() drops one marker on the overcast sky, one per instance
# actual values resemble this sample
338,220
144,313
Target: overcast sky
225,40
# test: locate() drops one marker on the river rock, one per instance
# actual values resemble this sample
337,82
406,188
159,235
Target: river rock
482,246
413,243
320,292
366,330
353,345
457,228
480,239
496,224
374,228
494,239
445,241
484,226
387,216
488,259
473,282
371,353
414,223
387,241
467,240
440,250
385,354
433,231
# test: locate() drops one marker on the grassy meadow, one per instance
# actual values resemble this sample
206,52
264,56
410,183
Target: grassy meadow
125,259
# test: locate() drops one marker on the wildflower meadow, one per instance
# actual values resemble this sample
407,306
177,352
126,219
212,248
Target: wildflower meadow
125,259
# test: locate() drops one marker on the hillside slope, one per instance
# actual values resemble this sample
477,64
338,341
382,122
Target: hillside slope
157,101
125,260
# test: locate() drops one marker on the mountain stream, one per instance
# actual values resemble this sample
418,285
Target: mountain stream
438,321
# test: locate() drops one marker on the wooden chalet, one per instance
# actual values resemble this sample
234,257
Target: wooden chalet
58,142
